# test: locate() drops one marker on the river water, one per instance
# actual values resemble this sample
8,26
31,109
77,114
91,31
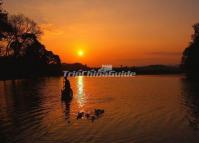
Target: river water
141,109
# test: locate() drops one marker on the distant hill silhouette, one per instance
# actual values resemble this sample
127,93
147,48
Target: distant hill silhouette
141,70
74,67
152,69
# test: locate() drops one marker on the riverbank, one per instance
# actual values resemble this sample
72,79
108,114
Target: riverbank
13,69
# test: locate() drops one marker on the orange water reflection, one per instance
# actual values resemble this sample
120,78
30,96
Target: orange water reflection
81,100
136,110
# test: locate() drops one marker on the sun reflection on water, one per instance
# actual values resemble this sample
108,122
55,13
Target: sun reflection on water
80,91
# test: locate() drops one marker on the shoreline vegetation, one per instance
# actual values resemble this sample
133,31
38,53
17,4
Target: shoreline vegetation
140,70
16,73
22,55
52,71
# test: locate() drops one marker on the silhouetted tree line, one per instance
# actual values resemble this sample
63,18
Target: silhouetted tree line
75,67
21,52
190,59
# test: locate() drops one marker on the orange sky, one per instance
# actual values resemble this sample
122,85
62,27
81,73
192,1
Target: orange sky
117,32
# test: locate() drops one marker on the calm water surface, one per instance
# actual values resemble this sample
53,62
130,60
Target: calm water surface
143,109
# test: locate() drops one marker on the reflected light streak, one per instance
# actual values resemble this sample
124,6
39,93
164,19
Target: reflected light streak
80,91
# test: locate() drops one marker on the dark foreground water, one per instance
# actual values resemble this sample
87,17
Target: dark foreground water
143,109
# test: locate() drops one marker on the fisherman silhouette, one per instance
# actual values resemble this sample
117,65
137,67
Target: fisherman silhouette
66,83
67,92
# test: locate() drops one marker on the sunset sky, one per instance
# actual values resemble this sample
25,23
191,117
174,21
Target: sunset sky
117,32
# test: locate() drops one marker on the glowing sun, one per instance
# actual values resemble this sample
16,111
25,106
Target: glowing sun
80,53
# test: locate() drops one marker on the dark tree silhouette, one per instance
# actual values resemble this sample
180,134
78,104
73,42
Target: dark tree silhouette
24,54
4,26
190,59
23,29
